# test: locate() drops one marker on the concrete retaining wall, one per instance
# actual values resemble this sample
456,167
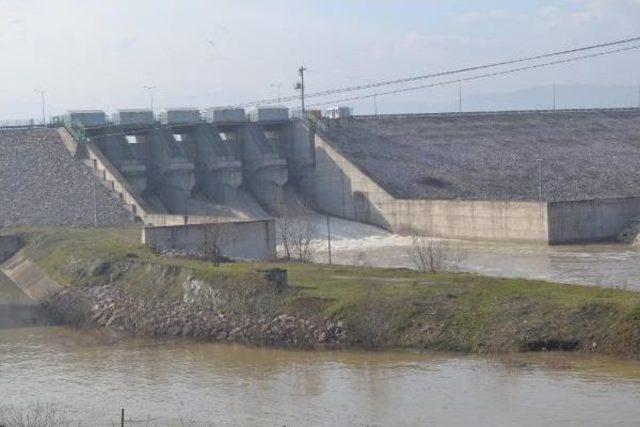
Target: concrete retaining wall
590,220
255,240
29,277
338,187
472,220
116,181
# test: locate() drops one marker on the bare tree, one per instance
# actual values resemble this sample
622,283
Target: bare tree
215,238
431,255
296,235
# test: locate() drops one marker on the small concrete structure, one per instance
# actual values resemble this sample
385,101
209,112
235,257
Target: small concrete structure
134,117
252,240
32,280
180,116
85,118
269,114
588,221
225,115
338,113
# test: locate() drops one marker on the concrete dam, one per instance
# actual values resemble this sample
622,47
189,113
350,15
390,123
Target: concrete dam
549,177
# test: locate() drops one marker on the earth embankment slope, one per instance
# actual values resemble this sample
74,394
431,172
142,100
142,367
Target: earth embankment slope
572,155
41,184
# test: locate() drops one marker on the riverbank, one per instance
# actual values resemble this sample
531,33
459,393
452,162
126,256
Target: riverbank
112,281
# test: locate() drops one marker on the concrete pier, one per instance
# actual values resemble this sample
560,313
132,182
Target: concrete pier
218,171
265,171
170,173
119,151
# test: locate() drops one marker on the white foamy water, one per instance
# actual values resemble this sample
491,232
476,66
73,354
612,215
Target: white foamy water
610,265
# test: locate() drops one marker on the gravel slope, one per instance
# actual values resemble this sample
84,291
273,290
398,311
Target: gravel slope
586,154
41,184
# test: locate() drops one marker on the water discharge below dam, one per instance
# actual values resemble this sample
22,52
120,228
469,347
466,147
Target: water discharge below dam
607,265
89,376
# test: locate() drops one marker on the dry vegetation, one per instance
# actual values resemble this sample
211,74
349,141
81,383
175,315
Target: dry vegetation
215,238
35,415
296,234
434,256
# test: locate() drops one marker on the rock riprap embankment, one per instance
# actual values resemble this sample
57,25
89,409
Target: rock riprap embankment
631,234
110,307
42,184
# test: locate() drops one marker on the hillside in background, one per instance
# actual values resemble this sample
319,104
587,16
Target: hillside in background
541,98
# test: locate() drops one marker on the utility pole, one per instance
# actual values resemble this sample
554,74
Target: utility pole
150,89
540,179
278,86
460,99
300,86
375,103
329,239
41,92
95,199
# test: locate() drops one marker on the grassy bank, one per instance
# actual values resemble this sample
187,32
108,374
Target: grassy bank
375,307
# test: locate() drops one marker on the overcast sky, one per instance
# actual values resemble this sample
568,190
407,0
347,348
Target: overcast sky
100,54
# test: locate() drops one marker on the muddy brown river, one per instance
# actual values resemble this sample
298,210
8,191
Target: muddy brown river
89,376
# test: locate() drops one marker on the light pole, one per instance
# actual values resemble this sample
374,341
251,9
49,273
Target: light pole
150,89
540,179
41,92
277,87
95,201
375,103
329,238
300,86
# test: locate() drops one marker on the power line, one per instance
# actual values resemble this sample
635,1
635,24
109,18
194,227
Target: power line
440,74
480,76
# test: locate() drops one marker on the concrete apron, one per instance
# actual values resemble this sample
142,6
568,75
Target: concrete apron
23,287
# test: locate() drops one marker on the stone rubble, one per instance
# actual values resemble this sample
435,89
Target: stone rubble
494,156
42,184
110,307
631,234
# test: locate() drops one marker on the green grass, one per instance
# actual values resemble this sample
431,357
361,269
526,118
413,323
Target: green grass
463,312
